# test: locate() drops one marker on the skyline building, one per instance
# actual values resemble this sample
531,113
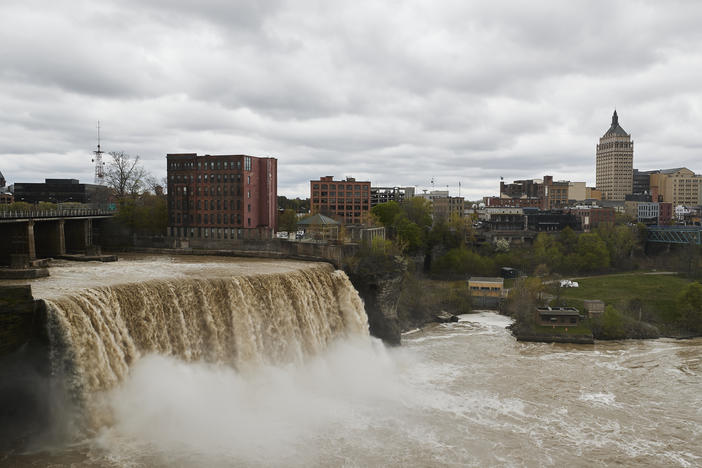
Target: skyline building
615,162
347,200
221,197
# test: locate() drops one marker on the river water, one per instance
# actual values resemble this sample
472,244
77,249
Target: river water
459,394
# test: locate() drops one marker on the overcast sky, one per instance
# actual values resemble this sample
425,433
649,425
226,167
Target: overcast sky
395,92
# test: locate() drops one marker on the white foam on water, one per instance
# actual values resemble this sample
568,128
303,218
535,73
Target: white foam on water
607,399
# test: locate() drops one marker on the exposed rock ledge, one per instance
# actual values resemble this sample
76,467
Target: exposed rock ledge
379,283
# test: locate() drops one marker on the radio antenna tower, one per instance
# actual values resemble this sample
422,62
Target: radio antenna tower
97,159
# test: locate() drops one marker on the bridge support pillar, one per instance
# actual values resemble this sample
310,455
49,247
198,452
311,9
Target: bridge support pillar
61,237
77,235
31,246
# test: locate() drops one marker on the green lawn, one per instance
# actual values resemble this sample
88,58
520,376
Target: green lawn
656,292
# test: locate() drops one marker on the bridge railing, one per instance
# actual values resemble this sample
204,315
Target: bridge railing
674,228
58,213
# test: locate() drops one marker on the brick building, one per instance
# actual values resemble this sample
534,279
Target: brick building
221,197
545,193
665,213
512,202
589,217
555,194
346,200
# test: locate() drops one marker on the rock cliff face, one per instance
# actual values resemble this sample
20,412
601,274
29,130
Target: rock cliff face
379,283
17,317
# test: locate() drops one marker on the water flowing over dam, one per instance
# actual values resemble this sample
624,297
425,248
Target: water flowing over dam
97,333
99,323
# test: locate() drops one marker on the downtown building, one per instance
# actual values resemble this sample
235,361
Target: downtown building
615,162
679,186
62,191
221,197
387,194
347,201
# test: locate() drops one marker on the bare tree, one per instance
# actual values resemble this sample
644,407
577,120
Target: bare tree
125,175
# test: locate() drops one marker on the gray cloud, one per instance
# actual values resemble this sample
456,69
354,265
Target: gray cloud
395,92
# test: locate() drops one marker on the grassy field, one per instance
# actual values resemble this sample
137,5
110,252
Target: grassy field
657,293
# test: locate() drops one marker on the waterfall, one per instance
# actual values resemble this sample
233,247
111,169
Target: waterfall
97,333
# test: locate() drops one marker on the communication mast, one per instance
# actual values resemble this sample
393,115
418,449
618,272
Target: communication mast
97,159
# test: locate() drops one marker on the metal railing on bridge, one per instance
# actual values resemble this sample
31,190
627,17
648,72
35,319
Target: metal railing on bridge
675,234
57,213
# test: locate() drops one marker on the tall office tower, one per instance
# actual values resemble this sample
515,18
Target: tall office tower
615,162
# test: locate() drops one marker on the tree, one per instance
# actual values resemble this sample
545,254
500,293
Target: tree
592,253
418,211
620,241
689,303
288,221
386,212
546,250
125,175
409,235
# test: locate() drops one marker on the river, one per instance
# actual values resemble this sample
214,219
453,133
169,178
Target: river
458,394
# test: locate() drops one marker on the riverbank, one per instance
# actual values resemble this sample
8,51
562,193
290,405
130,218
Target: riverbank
641,305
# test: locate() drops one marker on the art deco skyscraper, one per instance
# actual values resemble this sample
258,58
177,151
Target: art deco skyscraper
615,162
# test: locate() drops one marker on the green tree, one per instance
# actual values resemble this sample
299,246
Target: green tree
409,235
386,212
418,211
620,241
568,239
288,220
548,251
689,303
592,253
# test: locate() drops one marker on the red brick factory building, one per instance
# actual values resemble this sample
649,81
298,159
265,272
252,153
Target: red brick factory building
221,197
346,200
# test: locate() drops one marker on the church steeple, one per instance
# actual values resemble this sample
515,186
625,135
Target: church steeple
615,118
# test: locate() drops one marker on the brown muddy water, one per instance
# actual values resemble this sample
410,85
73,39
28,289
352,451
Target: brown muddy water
459,394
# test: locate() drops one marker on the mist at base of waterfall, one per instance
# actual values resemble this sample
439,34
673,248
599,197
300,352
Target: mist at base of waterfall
169,412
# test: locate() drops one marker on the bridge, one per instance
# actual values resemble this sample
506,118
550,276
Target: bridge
675,234
48,233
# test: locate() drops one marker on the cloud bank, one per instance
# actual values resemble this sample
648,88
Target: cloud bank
393,92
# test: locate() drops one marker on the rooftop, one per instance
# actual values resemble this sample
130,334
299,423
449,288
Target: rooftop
558,311
487,279
318,219
615,129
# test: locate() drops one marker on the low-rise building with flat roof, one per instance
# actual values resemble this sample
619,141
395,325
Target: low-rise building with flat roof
558,316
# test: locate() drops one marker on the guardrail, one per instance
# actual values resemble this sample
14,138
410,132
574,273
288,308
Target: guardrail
63,213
